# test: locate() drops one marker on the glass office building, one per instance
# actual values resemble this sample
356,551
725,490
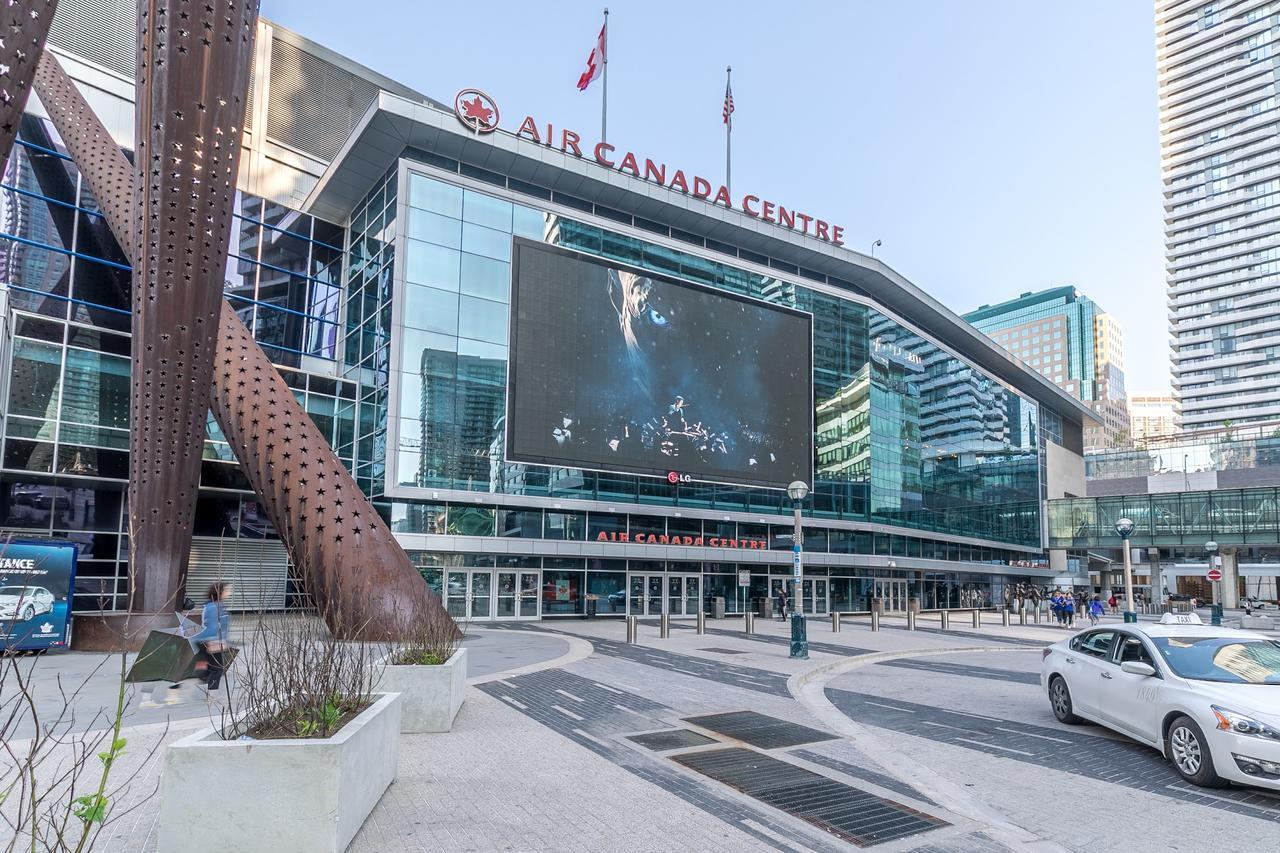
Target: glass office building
376,255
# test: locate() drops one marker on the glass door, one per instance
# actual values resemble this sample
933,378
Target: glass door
654,595
530,600
481,595
675,595
692,595
455,594
636,590
646,596
517,595
820,604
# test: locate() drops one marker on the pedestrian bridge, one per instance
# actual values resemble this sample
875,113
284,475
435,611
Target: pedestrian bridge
1226,516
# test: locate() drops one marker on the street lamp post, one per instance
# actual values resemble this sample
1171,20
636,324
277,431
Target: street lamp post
1125,528
797,491
1215,612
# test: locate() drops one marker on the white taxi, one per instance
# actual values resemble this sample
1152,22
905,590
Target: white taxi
1206,697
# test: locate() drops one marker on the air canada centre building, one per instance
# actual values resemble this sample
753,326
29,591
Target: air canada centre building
574,377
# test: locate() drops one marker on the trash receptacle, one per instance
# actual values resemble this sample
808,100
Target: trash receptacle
764,607
591,607
717,607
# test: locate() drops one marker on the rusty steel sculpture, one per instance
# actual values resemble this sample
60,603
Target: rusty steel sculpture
25,27
171,216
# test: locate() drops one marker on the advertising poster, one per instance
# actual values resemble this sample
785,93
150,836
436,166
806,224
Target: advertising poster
617,369
36,580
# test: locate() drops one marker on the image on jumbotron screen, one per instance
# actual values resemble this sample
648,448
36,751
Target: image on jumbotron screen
616,369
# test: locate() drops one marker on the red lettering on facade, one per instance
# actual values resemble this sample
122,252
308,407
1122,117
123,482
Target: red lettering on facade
655,172
698,541
837,234
624,537
663,540
701,187
569,141
722,197
821,228
747,201
767,214
785,217
550,135
601,148
715,543
805,219
678,183
528,128
629,164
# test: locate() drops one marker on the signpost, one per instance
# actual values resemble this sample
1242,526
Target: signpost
36,583
1214,575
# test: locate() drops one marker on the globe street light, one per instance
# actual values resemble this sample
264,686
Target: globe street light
1125,528
797,491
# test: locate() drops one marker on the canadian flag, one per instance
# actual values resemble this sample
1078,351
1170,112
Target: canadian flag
595,62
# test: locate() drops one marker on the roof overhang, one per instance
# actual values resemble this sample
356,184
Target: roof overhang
392,124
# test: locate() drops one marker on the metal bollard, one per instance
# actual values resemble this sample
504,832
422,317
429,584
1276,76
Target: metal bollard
875,620
977,618
946,620
1022,616
664,626
631,629
1004,618
835,621
1037,614
702,622
911,620
749,622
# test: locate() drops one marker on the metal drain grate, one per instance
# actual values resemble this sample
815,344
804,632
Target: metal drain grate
856,816
759,730
673,739
719,651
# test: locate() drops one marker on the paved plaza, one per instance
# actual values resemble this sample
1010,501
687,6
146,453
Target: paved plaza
572,739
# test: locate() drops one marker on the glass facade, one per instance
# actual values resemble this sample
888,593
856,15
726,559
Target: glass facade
906,434
64,462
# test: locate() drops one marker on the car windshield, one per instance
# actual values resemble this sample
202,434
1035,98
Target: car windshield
13,590
1225,659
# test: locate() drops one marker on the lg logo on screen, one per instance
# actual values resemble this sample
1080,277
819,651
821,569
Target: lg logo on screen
674,477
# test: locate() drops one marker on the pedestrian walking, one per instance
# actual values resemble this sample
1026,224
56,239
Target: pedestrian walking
782,603
1111,602
1069,611
1095,611
214,639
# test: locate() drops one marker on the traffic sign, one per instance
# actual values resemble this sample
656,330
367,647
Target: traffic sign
1214,574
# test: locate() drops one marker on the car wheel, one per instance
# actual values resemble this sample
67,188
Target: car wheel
1060,700
1185,746
28,613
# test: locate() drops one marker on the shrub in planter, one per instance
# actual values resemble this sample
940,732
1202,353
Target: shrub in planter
429,669
303,750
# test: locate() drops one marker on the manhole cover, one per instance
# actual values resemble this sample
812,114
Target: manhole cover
759,730
673,739
852,814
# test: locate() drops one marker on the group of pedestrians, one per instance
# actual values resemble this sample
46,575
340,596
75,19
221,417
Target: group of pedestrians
1066,606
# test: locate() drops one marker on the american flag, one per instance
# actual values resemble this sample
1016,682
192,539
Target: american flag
728,103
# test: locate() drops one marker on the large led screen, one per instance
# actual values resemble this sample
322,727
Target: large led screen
615,369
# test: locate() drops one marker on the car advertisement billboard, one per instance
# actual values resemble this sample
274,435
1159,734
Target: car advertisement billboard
613,368
36,580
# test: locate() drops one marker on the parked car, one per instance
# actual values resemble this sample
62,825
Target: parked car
1206,697
24,602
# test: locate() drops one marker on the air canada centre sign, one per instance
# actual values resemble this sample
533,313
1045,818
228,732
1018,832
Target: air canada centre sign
480,115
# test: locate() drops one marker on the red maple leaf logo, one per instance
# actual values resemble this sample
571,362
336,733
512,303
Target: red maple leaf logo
475,109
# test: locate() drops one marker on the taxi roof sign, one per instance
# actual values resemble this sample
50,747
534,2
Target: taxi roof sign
1180,619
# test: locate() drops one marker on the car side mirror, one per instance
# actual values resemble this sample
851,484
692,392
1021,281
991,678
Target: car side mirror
1137,667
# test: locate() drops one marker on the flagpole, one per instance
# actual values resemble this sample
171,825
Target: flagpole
604,102
728,131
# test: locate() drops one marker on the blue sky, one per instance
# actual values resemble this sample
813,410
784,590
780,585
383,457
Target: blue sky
995,147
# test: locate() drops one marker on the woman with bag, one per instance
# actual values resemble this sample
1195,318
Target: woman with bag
215,637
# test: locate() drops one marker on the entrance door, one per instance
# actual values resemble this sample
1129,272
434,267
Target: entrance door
468,594
894,595
644,595
517,595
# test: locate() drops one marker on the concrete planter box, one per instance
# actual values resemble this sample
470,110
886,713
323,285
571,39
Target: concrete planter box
1257,623
278,796
431,694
